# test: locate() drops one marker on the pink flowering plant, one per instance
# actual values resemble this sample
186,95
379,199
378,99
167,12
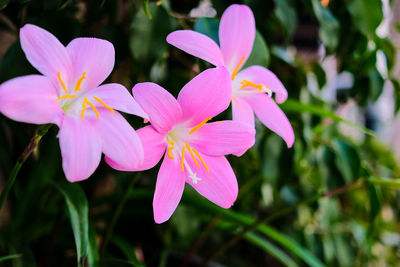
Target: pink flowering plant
202,166
253,88
69,94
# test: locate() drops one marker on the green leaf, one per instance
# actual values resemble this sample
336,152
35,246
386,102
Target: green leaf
146,8
393,183
366,15
328,25
10,257
147,39
4,3
271,249
209,27
298,107
244,220
259,54
127,249
347,160
77,206
287,15
375,205
93,252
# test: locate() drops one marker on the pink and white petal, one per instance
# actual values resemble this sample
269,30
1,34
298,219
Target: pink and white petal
30,99
219,185
242,112
80,147
237,31
117,97
169,189
261,75
269,113
93,56
223,138
198,45
153,147
47,54
120,142
206,95
161,107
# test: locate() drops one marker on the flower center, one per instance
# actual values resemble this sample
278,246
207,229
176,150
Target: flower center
177,146
67,104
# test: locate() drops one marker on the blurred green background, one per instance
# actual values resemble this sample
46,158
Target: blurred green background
330,200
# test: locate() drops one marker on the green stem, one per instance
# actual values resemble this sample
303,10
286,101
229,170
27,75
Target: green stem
33,144
117,213
280,213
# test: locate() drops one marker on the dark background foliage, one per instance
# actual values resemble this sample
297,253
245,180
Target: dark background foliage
323,202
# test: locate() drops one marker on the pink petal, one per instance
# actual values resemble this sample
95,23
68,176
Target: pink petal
93,56
30,99
169,188
120,142
219,185
237,31
206,95
198,45
162,108
261,75
80,147
271,116
45,52
153,147
117,97
223,138
242,112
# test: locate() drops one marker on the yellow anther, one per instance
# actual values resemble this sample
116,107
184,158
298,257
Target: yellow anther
325,3
78,84
91,105
200,125
235,71
170,149
65,96
183,159
104,104
201,159
246,83
62,83
191,153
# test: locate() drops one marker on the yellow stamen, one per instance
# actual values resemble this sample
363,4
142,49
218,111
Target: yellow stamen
191,153
246,83
170,149
104,104
62,83
200,125
65,96
91,105
201,159
83,108
237,68
183,159
78,84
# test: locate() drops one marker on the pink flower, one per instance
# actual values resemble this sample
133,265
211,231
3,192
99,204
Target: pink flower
68,94
253,87
194,149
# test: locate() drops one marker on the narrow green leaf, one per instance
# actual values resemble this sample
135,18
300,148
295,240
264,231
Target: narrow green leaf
77,206
271,249
394,183
93,252
366,14
146,8
10,257
245,220
298,107
347,160
127,249
287,15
